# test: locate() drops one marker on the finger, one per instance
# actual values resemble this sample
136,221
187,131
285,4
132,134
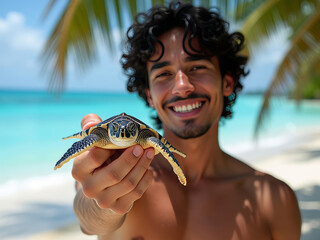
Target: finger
89,161
113,173
110,197
131,181
124,204
90,120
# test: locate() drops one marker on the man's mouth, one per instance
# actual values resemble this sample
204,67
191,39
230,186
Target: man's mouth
185,108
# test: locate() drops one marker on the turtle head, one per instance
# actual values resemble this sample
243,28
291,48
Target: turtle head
123,133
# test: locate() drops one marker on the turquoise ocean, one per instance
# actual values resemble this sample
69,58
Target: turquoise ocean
33,123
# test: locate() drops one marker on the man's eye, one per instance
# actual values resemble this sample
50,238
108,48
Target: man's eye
197,68
164,74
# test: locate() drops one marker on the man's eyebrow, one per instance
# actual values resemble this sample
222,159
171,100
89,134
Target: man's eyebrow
159,65
197,58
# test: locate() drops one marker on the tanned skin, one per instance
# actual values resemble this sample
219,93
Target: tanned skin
132,194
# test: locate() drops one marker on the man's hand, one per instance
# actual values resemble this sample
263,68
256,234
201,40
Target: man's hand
115,179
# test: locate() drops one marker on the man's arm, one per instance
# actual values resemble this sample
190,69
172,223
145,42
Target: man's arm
93,219
108,189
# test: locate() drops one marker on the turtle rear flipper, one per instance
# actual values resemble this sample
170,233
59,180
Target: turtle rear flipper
77,148
163,149
172,148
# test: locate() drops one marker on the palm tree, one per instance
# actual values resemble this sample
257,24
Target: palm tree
80,25
261,19
76,33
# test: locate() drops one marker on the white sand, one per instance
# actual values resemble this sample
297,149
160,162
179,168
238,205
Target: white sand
46,212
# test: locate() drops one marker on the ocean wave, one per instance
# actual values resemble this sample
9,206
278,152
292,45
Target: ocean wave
35,183
271,145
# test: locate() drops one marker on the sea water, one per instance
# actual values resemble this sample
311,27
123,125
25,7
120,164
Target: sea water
33,123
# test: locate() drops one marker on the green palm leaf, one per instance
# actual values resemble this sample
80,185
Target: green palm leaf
270,16
76,33
308,71
261,19
303,52
83,22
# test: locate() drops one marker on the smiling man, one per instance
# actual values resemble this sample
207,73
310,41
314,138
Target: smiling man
183,62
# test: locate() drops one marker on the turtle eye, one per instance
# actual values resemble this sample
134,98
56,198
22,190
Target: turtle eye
114,127
131,127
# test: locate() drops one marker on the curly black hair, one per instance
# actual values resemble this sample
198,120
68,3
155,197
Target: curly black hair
204,24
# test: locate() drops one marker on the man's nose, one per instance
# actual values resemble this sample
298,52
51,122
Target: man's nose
182,85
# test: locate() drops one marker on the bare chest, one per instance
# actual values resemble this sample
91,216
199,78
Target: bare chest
206,212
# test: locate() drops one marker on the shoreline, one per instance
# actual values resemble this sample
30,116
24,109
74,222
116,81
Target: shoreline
41,207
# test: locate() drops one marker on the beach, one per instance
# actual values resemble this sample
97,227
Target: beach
45,211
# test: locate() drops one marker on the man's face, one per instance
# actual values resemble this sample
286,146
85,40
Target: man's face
187,92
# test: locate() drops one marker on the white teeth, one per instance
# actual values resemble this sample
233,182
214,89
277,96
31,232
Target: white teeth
187,108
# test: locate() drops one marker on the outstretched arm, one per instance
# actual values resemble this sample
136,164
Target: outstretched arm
108,189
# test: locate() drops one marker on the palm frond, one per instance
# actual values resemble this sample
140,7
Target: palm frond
76,33
309,69
244,8
305,43
55,55
48,8
271,16
79,28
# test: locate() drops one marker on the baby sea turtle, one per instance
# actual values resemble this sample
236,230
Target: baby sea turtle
122,131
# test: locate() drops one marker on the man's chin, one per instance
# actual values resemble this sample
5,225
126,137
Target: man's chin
191,131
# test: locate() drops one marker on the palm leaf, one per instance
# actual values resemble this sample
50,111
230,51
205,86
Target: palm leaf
56,46
75,32
269,17
309,69
48,8
79,28
305,43
244,8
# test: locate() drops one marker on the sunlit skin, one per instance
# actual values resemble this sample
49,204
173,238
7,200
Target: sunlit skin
224,198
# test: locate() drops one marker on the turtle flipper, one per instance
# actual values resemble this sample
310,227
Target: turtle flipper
172,148
164,150
77,148
79,135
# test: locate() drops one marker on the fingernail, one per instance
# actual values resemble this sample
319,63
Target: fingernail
150,154
88,124
137,151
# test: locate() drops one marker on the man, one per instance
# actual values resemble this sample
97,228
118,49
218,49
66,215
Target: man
186,65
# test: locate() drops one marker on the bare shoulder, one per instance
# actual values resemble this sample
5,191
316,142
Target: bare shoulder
277,204
267,189
263,184
270,190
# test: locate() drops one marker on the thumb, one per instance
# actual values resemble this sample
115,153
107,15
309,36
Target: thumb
90,120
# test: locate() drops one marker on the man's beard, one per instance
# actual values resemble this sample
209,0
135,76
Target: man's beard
191,130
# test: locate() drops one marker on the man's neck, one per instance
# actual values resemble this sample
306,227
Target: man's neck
204,158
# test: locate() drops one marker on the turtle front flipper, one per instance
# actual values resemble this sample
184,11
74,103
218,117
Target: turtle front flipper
79,135
172,148
161,147
77,148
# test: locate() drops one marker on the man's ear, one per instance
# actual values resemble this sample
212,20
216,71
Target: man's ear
149,98
228,85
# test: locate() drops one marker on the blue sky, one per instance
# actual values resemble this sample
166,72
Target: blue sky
23,33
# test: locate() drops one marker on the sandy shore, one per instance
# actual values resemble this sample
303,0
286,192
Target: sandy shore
46,213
